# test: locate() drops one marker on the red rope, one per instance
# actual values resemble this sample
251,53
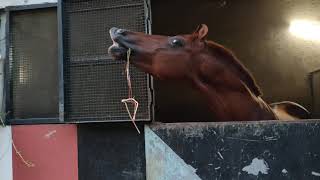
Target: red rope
130,99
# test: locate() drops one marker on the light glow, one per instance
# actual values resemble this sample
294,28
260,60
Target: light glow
305,29
22,75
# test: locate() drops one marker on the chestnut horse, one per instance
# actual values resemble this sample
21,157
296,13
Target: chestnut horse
229,89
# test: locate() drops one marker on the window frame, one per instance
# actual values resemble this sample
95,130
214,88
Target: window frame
150,85
60,119
6,86
312,92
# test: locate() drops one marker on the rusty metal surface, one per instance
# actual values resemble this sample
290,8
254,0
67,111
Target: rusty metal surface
110,151
252,150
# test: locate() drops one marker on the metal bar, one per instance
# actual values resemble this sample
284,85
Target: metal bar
311,92
30,121
89,58
99,117
31,6
94,120
7,84
91,63
310,75
107,8
60,61
148,16
315,71
3,103
235,123
151,99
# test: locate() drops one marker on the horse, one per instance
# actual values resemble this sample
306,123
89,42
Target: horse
228,87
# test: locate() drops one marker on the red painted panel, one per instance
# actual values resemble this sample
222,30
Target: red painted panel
51,148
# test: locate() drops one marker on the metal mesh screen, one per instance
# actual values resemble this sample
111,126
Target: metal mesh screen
33,64
94,83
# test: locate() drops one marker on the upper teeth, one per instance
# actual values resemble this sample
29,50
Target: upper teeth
115,43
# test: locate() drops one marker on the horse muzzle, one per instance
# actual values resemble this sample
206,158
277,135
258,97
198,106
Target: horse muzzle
118,49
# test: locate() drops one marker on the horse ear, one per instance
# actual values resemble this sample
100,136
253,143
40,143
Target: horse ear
202,31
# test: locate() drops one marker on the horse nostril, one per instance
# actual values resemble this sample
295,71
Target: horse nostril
120,31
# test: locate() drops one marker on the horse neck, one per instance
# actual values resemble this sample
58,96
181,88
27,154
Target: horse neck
230,104
233,64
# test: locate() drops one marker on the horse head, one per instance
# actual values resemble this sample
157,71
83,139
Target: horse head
162,56
188,56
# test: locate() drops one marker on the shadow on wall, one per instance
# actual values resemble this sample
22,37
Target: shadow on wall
258,32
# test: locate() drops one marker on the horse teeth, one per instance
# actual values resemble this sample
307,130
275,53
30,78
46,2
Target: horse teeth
115,44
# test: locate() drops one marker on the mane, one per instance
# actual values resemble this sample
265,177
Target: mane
240,70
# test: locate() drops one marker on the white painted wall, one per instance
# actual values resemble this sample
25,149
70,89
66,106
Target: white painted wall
5,3
2,54
5,132
5,154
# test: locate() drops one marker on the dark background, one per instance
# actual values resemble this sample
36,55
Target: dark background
258,33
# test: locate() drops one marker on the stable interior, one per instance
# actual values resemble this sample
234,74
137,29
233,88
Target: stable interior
276,40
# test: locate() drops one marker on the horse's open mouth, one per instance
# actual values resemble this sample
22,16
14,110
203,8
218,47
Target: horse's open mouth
117,50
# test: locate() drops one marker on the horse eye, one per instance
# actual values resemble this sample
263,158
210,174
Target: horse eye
177,43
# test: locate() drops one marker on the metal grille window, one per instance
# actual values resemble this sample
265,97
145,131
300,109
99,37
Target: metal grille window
32,80
94,84
58,69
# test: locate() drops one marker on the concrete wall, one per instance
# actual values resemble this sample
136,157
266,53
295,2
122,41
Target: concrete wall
5,3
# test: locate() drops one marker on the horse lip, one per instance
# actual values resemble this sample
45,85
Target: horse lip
115,38
112,35
119,41
118,49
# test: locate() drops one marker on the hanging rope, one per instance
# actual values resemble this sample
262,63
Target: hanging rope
130,98
26,162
